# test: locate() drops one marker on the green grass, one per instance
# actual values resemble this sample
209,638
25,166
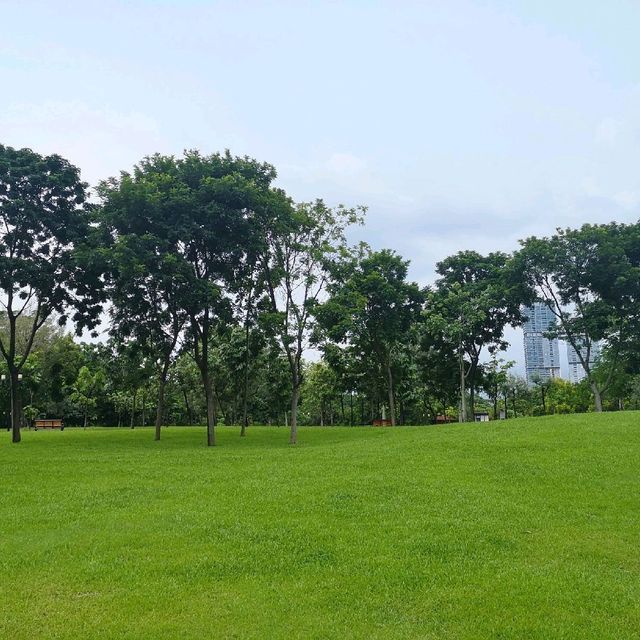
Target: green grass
522,529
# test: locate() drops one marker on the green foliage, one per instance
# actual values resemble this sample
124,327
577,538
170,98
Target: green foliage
372,309
468,310
589,278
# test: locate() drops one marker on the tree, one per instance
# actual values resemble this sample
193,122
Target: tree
147,278
318,392
438,364
494,378
46,266
589,279
472,303
202,217
372,306
295,264
85,390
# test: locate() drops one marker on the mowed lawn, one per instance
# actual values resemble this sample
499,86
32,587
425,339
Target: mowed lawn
526,528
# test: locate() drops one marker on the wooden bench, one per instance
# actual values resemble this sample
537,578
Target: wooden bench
51,423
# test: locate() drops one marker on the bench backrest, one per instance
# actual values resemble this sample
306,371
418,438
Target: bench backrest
53,422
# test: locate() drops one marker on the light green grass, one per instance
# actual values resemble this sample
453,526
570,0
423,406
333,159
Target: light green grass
520,529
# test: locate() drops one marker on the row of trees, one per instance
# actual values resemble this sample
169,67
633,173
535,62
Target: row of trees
206,267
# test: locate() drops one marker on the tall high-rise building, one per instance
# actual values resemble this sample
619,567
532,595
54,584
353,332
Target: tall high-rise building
576,370
541,354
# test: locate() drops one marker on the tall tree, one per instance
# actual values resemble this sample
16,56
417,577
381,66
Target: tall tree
590,279
203,215
371,305
295,263
472,303
147,280
46,265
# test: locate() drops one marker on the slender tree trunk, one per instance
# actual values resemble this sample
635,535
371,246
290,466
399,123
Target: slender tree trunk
472,391
84,425
472,401
321,414
211,409
295,397
16,405
162,383
351,408
463,394
597,397
144,402
245,383
133,407
392,402
188,406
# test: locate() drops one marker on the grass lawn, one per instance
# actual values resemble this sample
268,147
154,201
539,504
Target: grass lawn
528,528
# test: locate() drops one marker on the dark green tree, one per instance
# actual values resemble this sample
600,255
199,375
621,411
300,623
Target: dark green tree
373,307
295,264
148,280
47,266
590,279
472,303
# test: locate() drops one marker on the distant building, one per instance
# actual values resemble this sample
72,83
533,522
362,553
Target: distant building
541,355
576,370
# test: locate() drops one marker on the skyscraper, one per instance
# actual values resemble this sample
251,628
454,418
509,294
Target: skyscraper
541,355
576,370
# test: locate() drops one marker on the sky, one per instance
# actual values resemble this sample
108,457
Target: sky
460,124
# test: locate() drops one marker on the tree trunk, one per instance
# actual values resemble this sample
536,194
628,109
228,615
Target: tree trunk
295,396
463,395
597,397
144,402
16,405
245,383
133,408
472,391
211,409
162,383
84,425
392,402
472,401
351,408
188,407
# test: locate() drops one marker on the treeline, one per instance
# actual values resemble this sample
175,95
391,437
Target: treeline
216,284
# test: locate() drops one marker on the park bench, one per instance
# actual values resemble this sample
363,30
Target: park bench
50,423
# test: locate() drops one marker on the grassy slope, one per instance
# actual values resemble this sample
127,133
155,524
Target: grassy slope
523,529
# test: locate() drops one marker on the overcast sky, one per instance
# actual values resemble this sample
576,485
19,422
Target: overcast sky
460,124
